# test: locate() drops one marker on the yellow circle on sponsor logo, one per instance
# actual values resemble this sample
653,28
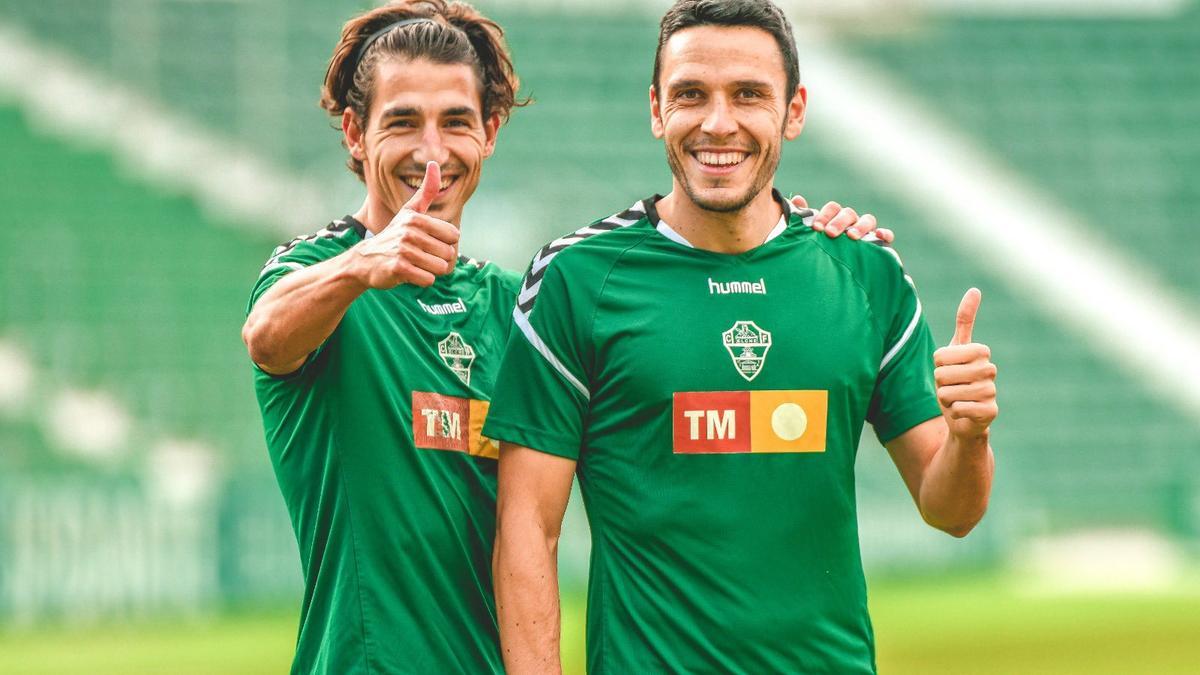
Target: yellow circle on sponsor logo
789,421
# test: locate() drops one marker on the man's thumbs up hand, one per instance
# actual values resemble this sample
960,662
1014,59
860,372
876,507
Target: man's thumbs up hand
966,377
964,321
415,248
424,196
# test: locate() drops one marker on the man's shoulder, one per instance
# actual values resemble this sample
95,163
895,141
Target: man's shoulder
596,243
479,272
866,258
583,257
330,240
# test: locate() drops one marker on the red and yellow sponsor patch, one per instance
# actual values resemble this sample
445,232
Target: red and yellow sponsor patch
451,423
707,422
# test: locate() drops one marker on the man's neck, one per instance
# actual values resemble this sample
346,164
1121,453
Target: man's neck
720,232
375,215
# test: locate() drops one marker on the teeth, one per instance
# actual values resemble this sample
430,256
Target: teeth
415,183
720,158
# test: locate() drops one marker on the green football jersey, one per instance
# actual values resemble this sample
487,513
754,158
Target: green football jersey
390,485
714,404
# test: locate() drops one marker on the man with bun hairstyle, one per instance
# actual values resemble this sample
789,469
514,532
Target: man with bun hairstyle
376,346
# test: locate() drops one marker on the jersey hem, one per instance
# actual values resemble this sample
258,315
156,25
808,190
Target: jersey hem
541,441
909,418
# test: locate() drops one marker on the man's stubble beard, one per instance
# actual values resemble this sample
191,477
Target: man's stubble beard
761,180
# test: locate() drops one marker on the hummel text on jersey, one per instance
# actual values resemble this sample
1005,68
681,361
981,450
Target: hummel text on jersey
726,287
458,307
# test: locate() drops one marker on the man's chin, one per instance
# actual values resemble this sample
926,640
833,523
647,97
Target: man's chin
720,200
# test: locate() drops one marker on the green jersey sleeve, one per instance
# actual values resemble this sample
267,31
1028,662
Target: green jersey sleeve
904,394
541,395
296,255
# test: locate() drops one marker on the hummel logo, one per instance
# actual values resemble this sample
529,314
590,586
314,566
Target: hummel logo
725,288
439,309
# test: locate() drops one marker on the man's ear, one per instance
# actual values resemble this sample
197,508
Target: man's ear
353,133
795,113
656,121
491,127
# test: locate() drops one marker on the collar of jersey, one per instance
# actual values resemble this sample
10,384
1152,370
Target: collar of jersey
358,227
785,219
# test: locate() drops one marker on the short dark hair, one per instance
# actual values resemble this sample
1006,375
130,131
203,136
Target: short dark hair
753,13
453,33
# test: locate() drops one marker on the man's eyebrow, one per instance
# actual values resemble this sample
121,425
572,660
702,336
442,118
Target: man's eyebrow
459,111
752,84
684,84
407,111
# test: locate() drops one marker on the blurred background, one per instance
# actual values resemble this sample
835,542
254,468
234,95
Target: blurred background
153,152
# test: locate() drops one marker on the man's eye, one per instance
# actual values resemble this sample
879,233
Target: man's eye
748,93
457,123
404,124
689,94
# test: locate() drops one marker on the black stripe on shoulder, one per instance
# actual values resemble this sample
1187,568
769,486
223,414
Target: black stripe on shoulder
541,261
468,260
333,229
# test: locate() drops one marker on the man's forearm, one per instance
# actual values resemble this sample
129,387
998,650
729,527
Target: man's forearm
299,312
526,573
955,490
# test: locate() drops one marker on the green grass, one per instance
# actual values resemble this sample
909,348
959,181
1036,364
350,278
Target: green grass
986,627
234,645
978,626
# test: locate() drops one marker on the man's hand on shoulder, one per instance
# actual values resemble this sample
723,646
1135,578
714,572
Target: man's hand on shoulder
415,248
966,378
833,219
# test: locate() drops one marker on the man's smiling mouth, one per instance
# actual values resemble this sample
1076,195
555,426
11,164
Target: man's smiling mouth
414,182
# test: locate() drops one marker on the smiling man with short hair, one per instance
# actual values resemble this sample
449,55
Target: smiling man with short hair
704,362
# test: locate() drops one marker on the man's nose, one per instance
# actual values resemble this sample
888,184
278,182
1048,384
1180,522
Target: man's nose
432,147
720,120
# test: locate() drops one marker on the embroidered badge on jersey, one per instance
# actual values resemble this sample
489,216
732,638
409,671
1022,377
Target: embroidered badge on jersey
748,345
451,423
458,356
706,422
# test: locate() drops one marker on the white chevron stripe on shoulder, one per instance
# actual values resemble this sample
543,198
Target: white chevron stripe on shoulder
528,292
547,253
337,228
532,284
912,326
532,281
522,321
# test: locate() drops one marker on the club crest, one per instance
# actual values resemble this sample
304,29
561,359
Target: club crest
458,356
747,345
